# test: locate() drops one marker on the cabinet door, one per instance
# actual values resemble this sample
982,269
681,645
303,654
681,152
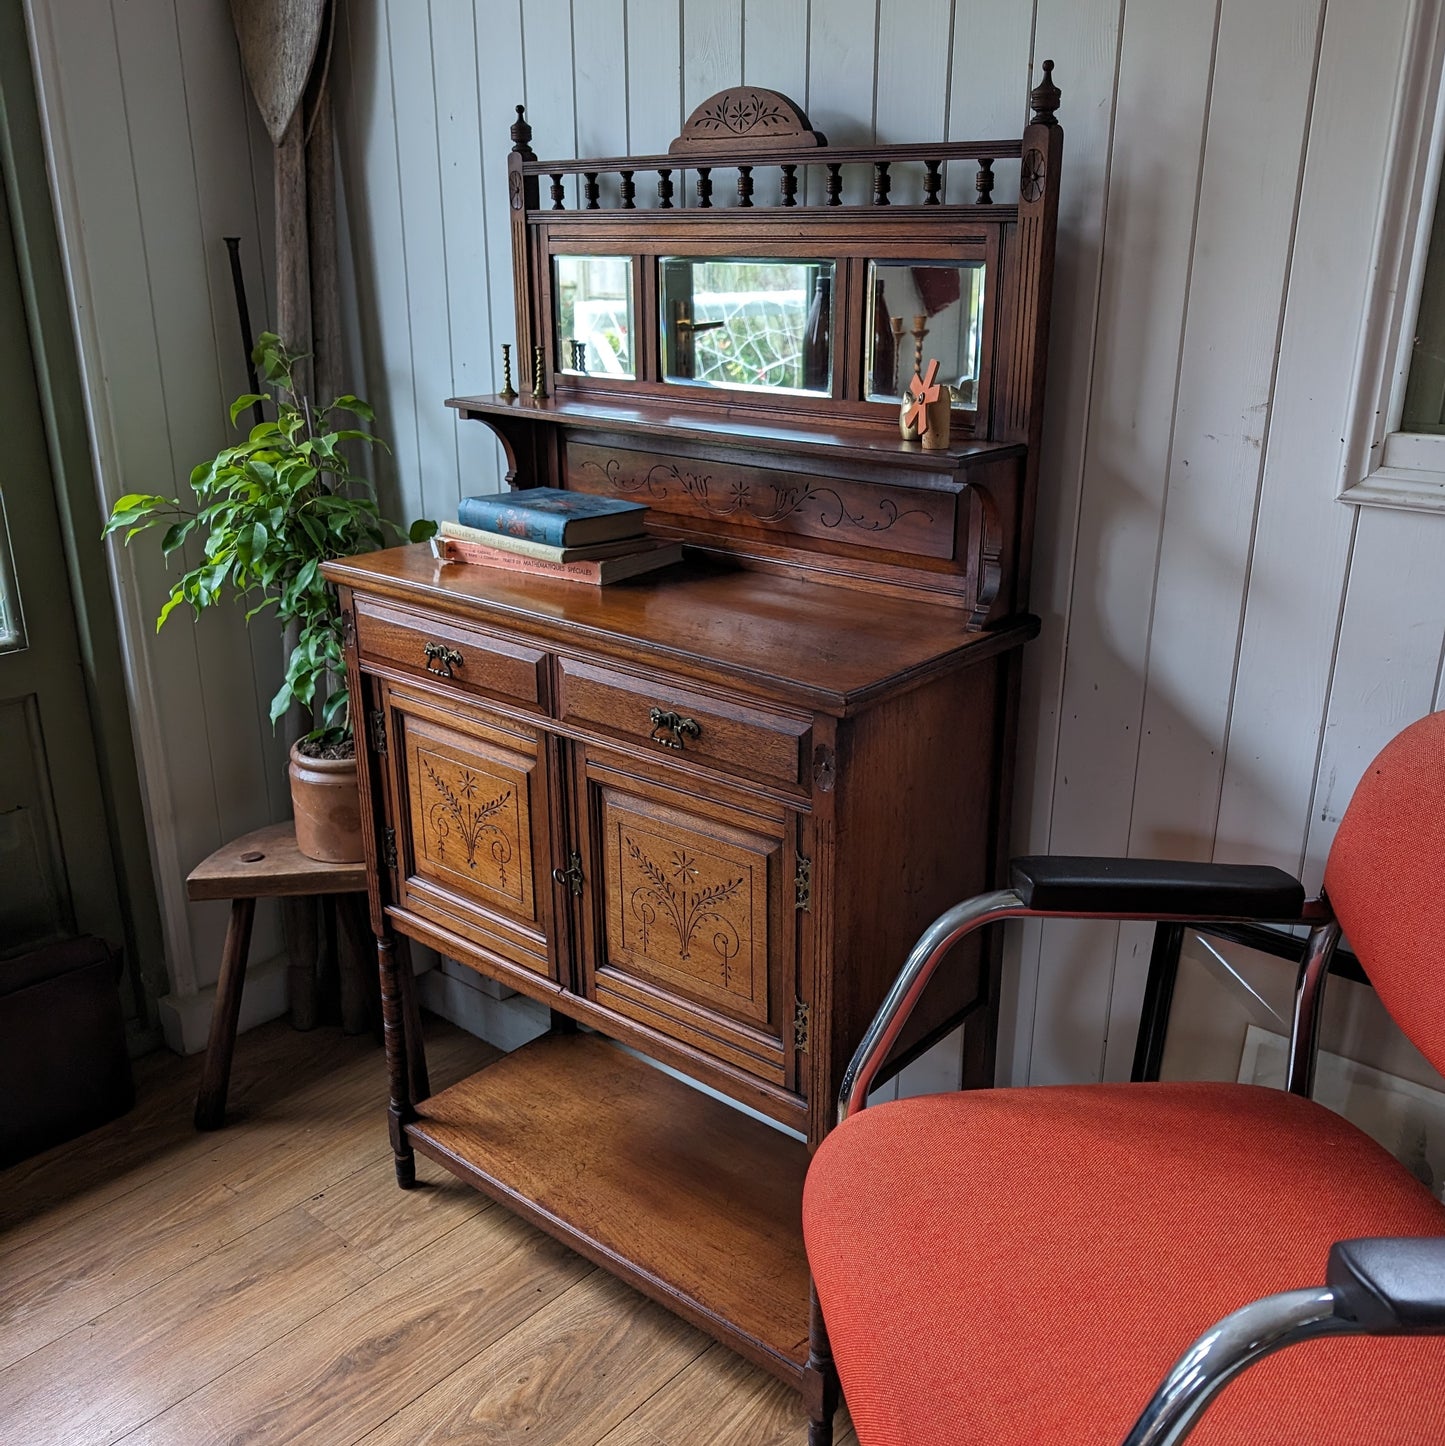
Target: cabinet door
472,827
688,912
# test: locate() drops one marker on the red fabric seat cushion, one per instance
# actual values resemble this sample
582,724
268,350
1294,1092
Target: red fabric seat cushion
1022,1267
1383,879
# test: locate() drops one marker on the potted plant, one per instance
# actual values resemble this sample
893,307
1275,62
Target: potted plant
269,511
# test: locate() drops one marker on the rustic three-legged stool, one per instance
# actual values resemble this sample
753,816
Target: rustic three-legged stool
265,864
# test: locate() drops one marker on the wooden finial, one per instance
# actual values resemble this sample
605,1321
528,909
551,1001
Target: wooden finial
522,136
1045,98
508,392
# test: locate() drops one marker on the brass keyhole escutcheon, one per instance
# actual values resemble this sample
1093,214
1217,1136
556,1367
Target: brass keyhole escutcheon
572,874
670,729
440,659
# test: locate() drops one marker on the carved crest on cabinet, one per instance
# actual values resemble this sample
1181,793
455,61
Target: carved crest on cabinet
687,910
746,116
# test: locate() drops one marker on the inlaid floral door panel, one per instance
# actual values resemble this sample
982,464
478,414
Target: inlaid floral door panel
690,933
475,826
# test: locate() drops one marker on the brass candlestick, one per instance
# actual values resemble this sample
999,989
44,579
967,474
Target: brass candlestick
896,325
508,392
920,330
539,376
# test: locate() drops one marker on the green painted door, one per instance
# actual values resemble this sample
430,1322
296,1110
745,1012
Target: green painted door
57,873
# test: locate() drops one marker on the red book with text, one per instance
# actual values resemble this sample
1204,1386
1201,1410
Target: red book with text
649,556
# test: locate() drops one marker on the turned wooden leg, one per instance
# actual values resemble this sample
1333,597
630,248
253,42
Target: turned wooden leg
411,1017
216,1072
393,1027
820,1377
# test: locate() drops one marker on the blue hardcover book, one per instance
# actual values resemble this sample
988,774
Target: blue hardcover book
550,515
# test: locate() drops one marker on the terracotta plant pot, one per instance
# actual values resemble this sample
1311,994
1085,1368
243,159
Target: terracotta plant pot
327,806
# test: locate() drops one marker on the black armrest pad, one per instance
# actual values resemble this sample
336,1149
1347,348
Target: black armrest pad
1390,1285
1156,887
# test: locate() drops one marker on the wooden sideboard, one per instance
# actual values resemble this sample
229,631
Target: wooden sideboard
704,814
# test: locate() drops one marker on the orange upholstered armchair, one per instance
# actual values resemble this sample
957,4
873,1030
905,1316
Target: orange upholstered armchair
1024,1267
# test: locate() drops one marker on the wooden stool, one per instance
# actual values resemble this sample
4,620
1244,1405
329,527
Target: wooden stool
265,864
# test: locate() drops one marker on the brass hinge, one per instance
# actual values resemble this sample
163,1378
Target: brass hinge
800,1027
389,847
803,884
376,722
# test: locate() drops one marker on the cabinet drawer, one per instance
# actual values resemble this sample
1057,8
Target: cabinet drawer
683,723
444,649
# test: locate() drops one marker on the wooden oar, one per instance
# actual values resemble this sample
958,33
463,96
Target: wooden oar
279,40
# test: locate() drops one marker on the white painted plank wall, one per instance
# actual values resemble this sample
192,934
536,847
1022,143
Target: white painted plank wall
1224,644
1125,454
1088,34
151,153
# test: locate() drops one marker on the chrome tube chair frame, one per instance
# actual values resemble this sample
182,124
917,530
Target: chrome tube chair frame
1362,1291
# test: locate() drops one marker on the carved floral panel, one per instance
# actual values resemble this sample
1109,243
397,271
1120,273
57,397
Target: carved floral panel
689,910
470,825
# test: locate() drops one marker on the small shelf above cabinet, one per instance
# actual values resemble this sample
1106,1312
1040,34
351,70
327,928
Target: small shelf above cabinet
848,502
820,442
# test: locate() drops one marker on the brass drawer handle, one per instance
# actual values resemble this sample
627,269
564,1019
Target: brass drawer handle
440,659
668,722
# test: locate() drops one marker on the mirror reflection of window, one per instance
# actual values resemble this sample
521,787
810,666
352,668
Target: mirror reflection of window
12,626
593,313
755,325
918,310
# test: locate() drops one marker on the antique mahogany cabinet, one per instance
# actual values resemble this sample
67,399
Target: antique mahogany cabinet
704,814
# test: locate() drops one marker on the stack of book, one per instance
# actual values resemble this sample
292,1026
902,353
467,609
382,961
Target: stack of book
553,533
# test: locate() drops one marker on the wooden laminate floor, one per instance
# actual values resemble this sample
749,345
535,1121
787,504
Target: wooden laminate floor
269,1283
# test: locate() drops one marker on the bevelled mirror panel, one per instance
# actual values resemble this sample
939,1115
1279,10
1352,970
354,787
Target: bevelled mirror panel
918,310
593,312
754,325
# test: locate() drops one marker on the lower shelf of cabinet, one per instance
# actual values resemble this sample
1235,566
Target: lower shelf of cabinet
692,1202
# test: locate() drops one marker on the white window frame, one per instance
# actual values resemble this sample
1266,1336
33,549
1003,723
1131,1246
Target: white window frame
1384,466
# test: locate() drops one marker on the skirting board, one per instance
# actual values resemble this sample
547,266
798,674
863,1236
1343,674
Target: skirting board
465,999
472,1003
186,1018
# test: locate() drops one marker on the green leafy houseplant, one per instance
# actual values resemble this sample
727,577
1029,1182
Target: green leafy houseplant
270,511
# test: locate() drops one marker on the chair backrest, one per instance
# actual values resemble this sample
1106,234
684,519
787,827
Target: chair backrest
1386,881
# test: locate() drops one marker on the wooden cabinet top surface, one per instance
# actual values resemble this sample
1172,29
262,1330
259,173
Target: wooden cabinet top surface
793,641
